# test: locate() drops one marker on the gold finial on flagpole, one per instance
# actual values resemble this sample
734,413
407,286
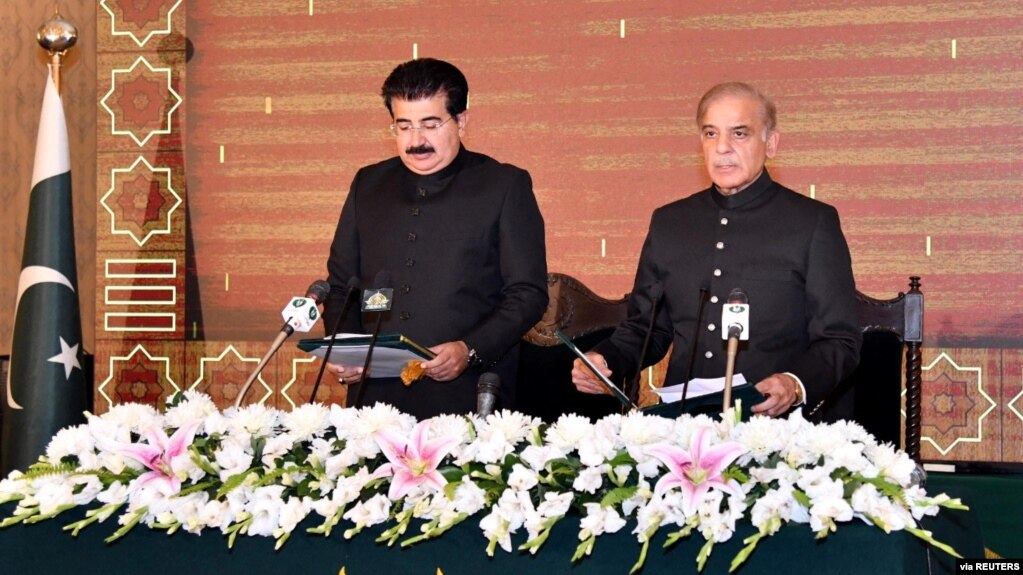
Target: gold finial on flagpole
56,36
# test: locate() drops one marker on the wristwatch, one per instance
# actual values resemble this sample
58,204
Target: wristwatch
473,359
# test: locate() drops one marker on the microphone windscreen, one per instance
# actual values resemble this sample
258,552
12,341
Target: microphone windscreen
737,295
488,382
318,291
383,280
353,283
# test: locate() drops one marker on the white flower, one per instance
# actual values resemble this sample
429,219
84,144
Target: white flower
537,456
890,463
195,407
216,514
522,478
233,457
555,504
590,478
306,421
639,430
469,498
116,492
599,520
53,493
254,419
826,511
70,441
265,507
776,506
293,512
568,432
135,417
367,513
451,426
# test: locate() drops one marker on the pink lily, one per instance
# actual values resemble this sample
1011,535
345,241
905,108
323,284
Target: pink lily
161,455
698,470
413,461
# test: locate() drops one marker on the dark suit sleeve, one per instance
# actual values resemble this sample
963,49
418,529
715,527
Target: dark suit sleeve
523,257
622,349
832,324
343,264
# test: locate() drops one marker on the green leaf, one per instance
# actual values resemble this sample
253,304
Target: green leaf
704,554
929,537
233,482
744,553
617,495
642,557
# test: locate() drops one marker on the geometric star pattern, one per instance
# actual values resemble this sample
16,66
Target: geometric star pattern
140,201
138,379
955,404
139,95
227,373
132,18
1012,404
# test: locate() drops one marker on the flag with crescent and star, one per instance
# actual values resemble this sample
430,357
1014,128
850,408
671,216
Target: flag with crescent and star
46,386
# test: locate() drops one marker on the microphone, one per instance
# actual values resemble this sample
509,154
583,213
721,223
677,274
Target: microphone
300,314
350,287
692,348
379,300
486,393
656,291
734,315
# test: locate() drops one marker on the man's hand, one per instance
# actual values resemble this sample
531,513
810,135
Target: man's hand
584,379
452,359
781,395
345,374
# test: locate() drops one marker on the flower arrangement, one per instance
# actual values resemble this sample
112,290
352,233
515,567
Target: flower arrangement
259,471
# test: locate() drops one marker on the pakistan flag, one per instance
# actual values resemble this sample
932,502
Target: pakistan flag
46,387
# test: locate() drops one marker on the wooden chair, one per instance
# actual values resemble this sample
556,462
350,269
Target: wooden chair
544,387
891,354
892,338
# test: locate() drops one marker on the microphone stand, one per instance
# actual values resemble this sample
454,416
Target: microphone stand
733,348
333,335
692,349
633,391
365,366
284,334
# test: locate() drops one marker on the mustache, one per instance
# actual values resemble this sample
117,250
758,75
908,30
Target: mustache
423,149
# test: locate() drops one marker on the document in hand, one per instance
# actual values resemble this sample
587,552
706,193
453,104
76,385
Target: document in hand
390,355
705,396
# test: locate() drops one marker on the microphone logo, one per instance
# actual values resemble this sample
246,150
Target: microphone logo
297,317
377,299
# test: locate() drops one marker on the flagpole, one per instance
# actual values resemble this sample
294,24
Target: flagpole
47,387
56,36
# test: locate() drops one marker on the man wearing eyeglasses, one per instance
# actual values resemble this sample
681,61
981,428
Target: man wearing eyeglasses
462,237
785,250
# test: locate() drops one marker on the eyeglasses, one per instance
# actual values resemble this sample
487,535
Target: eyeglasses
427,127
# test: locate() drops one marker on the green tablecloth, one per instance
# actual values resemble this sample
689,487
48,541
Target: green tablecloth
855,548
997,501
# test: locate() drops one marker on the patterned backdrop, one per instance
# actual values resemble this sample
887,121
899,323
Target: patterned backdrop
228,132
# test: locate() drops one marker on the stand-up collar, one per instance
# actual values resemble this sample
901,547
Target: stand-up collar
437,181
760,190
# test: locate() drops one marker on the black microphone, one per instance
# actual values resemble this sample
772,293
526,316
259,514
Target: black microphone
692,348
656,291
296,316
735,327
379,300
486,393
353,284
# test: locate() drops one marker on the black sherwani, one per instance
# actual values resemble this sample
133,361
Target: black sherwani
465,248
786,251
